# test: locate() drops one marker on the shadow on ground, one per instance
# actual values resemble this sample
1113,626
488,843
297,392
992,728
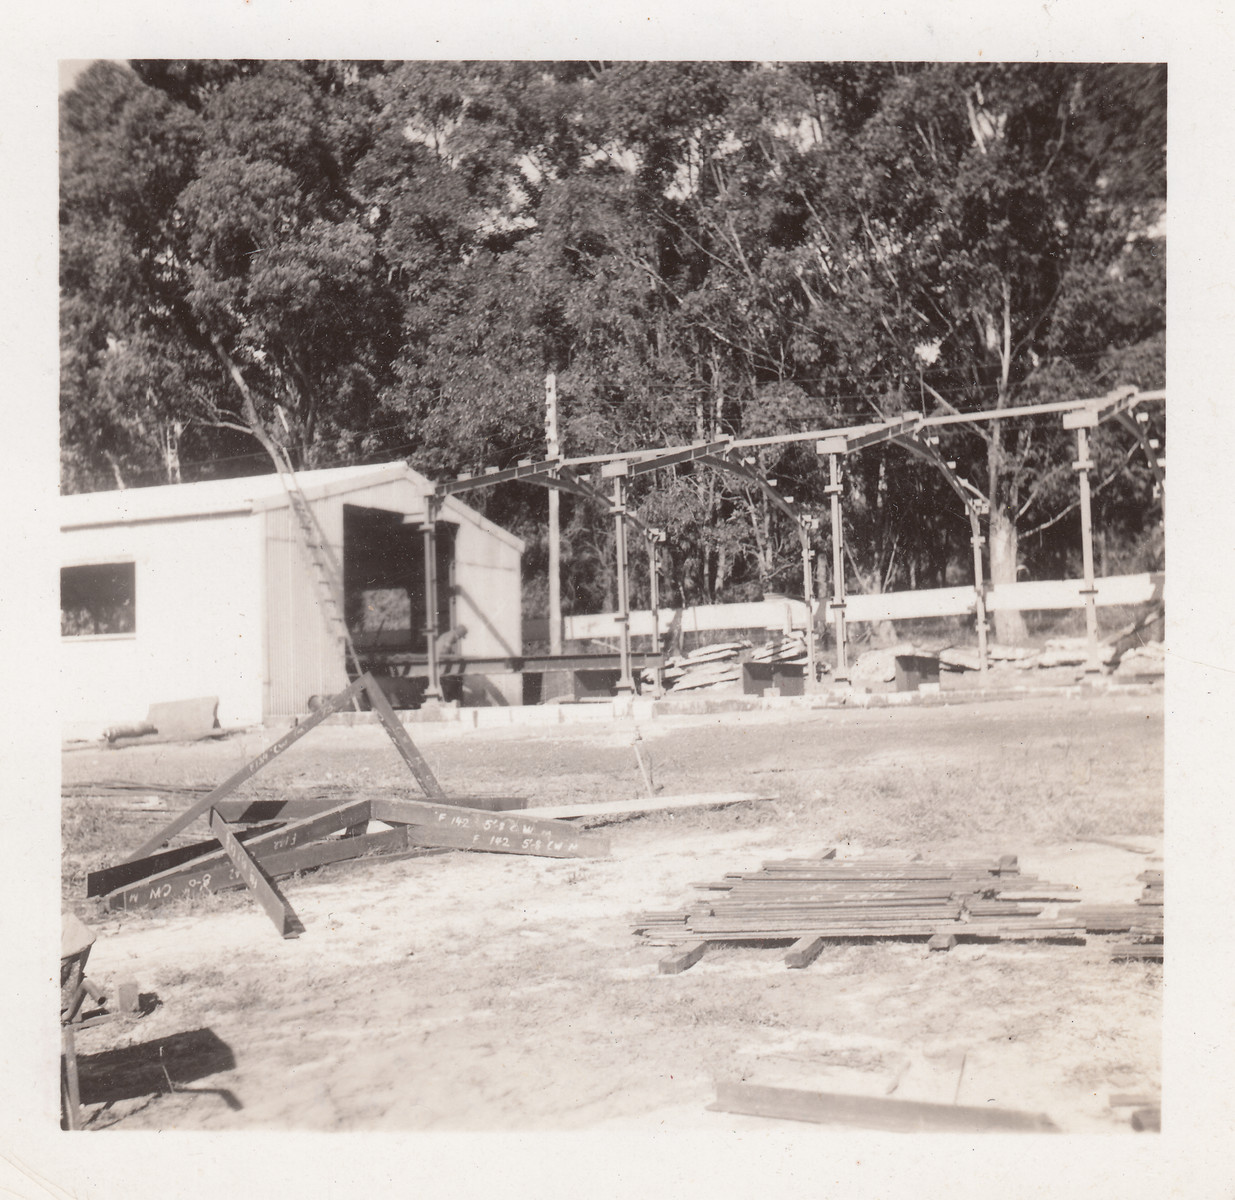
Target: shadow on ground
155,1068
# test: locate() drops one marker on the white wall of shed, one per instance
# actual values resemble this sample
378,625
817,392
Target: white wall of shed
197,623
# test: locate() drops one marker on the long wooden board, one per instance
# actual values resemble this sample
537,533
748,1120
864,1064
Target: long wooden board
644,804
504,833
251,768
213,871
872,1112
257,881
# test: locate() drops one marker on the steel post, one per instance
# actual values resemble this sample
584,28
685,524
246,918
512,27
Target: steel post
979,585
1090,591
654,601
808,595
434,690
625,683
838,568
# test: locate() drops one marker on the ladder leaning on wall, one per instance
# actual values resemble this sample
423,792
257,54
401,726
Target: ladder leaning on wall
327,573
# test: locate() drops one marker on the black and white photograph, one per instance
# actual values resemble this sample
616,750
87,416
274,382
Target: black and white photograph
624,598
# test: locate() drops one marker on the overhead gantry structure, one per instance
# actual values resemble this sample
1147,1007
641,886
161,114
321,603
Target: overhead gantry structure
733,456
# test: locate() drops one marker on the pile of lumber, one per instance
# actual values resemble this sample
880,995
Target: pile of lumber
810,901
720,663
1144,922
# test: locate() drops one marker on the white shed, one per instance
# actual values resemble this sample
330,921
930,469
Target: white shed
204,589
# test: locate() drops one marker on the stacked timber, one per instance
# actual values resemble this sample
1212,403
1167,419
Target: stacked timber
705,667
1146,924
720,663
809,901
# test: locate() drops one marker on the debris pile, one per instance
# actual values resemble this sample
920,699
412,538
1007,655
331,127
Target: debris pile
720,663
1145,659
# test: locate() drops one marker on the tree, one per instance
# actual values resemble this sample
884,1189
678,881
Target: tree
241,289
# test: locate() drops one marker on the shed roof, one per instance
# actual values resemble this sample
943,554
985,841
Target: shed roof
252,493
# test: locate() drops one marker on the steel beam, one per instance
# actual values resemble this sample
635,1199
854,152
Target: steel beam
434,690
656,459
255,879
654,537
333,705
1090,591
838,568
625,683
469,483
844,441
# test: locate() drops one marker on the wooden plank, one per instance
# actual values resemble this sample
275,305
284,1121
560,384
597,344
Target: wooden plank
506,833
99,883
804,951
202,873
251,768
401,738
1131,1100
645,804
683,959
1151,951
255,879
871,1112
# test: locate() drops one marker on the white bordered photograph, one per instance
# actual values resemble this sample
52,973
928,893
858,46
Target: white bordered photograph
649,575
622,597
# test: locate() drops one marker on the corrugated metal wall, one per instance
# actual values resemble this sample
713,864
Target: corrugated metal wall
302,658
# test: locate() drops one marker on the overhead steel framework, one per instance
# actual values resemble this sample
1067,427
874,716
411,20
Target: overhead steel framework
732,455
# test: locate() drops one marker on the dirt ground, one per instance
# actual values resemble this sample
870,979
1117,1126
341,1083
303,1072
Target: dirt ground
466,991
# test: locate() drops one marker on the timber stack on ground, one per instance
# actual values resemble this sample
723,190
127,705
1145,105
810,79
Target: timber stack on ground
811,901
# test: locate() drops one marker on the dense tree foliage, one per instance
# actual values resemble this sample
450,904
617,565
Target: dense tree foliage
360,260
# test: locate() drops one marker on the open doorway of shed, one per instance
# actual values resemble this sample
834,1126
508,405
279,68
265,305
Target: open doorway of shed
384,580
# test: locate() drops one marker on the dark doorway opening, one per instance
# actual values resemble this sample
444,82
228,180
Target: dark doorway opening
384,580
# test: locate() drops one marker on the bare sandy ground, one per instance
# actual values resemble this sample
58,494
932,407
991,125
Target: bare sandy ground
487,992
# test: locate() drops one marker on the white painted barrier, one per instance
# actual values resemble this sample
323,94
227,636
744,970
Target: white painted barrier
779,615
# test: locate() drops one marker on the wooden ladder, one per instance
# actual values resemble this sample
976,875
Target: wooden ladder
326,569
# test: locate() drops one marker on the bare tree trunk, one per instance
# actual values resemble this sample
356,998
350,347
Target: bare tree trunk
1009,624
114,463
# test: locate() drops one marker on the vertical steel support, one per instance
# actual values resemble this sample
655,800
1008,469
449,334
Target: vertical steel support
625,683
808,595
653,538
979,585
434,690
1089,591
838,568
553,446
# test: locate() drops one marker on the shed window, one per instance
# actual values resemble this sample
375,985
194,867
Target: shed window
98,599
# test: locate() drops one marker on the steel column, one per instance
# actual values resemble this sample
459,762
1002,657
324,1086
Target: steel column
1090,591
808,595
838,567
979,585
625,683
654,538
434,690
